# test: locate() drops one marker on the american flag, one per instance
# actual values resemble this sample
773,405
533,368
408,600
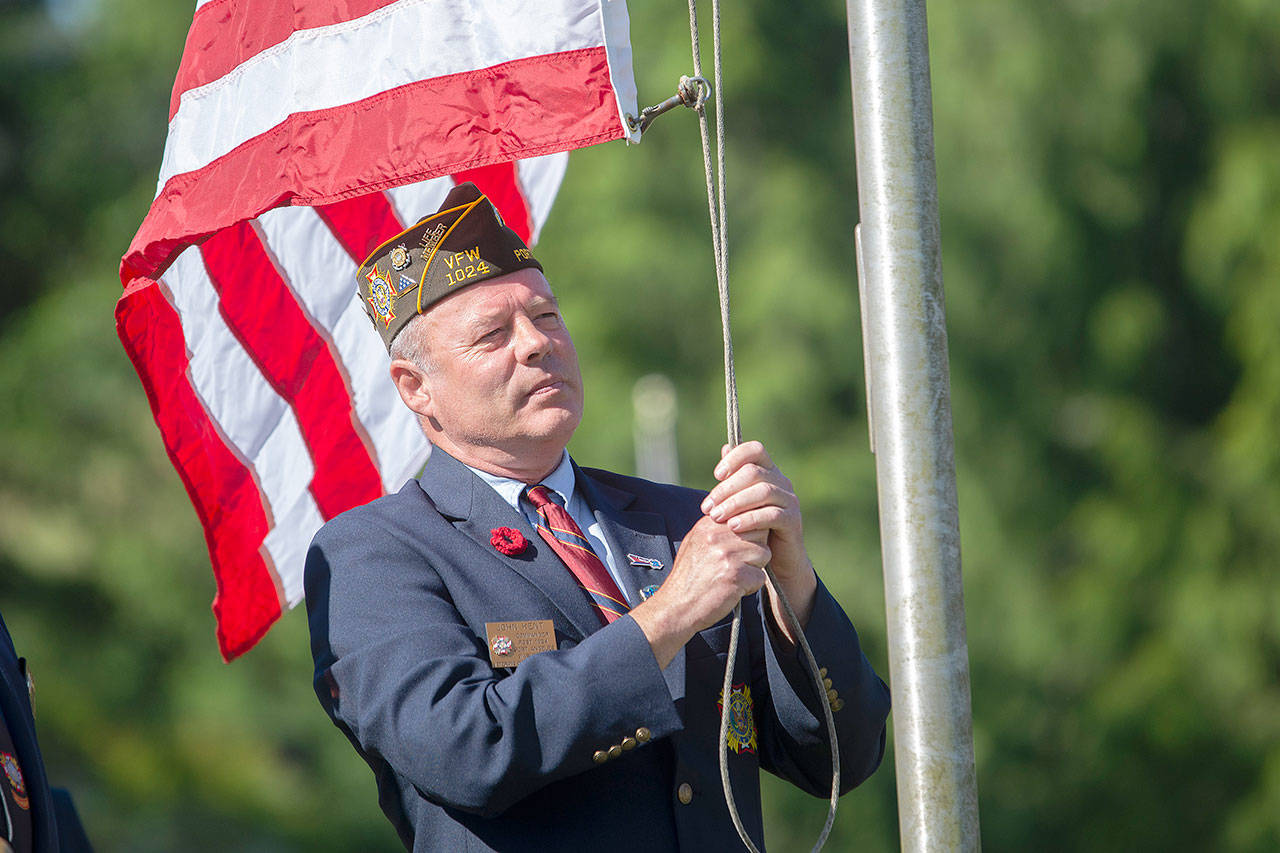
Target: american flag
301,135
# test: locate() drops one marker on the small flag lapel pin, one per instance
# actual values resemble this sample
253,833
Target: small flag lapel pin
647,562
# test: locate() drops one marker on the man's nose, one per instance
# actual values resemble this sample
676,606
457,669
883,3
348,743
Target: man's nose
531,342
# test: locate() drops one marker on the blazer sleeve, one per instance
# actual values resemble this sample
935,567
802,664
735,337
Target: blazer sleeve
71,834
794,742
788,711
410,683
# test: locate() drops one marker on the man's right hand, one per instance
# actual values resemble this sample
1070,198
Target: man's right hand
713,570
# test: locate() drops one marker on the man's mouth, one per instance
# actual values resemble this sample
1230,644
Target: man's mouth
548,386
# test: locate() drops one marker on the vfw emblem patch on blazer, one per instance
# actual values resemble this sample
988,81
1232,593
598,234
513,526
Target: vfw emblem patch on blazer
16,782
742,721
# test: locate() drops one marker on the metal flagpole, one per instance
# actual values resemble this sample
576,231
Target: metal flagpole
909,402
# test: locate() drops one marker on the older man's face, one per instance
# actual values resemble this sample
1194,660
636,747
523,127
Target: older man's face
504,371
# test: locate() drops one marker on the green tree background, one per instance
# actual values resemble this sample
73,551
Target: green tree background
1109,175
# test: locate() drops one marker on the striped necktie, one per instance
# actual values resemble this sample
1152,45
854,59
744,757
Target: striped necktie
564,536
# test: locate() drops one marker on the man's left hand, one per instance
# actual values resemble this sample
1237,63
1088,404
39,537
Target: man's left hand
754,498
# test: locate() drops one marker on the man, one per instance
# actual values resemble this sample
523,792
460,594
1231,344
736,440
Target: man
529,654
35,817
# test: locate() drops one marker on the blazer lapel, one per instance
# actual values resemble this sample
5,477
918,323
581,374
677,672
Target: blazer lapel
640,534
475,509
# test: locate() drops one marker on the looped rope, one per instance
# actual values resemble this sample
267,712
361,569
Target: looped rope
691,92
719,244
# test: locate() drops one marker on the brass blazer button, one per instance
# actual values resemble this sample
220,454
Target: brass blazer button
832,695
643,735
615,751
822,671
600,756
837,705
685,793
628,743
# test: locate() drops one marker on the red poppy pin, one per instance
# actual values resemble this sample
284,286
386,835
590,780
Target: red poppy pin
508,541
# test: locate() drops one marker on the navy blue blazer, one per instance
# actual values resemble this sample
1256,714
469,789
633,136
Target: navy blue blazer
51,809
469,757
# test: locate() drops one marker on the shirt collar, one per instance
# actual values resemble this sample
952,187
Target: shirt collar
561,481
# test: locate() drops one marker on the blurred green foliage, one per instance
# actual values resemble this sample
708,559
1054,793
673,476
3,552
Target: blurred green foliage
1110,185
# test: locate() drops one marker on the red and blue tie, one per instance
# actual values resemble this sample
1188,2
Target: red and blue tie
564,536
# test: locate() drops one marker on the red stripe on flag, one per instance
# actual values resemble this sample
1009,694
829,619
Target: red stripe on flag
224,34
265,317
362,223
445,125
501,183
220,484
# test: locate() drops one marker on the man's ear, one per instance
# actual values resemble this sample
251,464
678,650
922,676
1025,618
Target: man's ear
413,385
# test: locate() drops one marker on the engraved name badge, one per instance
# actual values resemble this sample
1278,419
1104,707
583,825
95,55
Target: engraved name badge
511,642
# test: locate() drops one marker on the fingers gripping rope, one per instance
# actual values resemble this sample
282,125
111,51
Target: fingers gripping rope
696,101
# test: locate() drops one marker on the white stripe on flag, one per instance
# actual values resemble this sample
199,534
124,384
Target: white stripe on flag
321,274
540,179
414,201
325,67
256,422
617,42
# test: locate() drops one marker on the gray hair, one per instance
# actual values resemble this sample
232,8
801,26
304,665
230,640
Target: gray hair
410,344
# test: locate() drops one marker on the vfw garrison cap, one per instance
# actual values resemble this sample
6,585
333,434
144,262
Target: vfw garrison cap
462,243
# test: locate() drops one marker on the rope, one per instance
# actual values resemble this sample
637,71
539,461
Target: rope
719,244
